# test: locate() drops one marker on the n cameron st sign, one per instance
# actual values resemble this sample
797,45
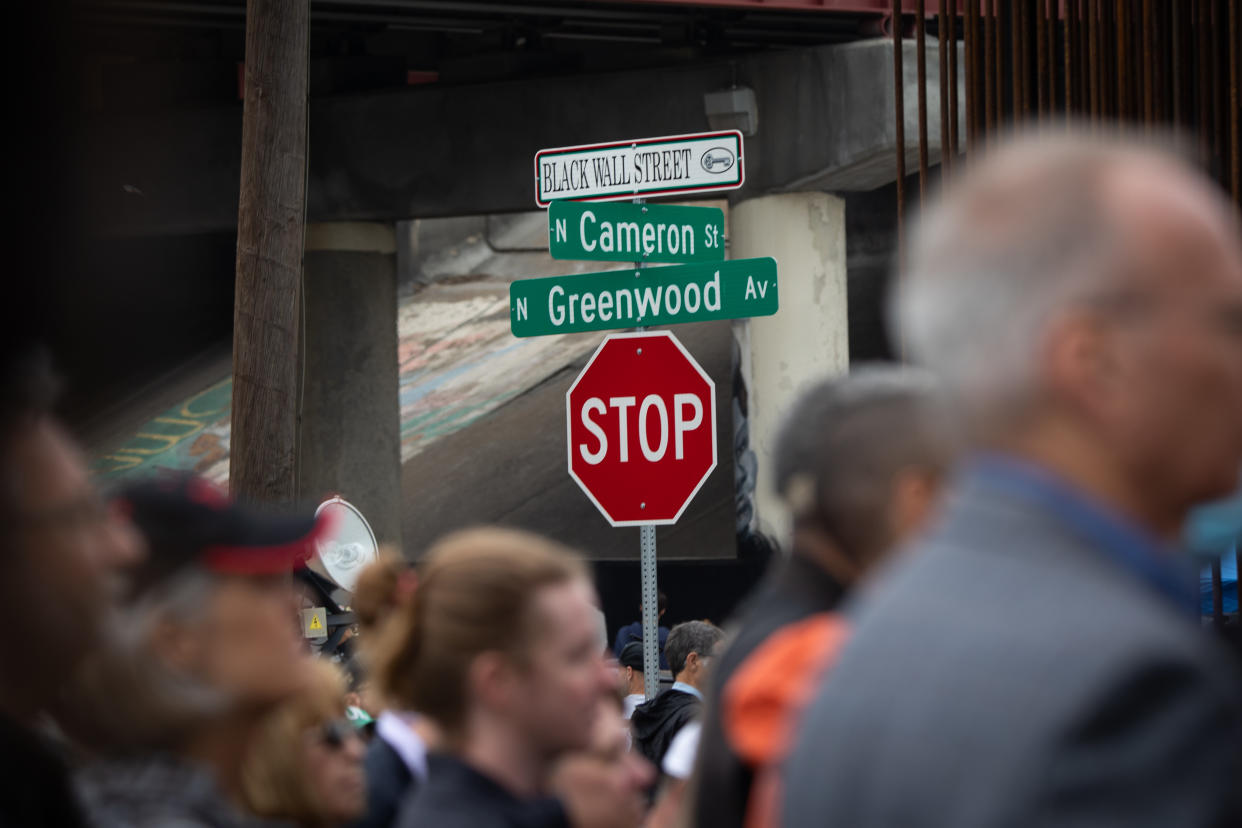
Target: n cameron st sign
672,164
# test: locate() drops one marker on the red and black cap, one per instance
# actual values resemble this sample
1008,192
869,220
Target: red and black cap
189,521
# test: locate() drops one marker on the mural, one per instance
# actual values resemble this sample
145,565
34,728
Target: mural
192,436
457,362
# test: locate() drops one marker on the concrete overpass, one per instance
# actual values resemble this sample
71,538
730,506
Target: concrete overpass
431,110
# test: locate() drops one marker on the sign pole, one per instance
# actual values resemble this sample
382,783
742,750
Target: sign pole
650,586
651,611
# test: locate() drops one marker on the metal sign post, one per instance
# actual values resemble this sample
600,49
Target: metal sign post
651,611
650,586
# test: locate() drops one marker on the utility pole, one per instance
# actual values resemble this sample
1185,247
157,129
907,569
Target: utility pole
271,220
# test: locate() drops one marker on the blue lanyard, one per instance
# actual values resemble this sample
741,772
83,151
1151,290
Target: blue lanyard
1110,534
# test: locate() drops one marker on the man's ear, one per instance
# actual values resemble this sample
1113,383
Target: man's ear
692,660
490,679
1079,363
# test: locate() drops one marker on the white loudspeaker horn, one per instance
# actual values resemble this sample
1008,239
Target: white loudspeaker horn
350,547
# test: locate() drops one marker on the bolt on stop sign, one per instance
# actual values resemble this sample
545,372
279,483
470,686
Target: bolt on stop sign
641,423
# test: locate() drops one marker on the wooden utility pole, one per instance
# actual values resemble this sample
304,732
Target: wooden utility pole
271,221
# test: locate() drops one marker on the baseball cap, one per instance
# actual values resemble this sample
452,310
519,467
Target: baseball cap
189,521
632,655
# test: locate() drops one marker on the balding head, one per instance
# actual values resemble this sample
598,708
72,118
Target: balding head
1095,285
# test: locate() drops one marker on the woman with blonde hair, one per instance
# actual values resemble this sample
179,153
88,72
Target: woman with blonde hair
305,765
500,647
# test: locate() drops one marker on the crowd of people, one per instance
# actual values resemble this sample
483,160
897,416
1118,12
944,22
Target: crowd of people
982,617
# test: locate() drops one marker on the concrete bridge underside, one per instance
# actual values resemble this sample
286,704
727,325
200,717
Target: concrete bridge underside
825,122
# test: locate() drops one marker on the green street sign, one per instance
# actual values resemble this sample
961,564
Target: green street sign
635,232
648,296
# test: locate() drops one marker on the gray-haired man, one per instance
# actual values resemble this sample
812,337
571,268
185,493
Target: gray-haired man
689,647
1039,661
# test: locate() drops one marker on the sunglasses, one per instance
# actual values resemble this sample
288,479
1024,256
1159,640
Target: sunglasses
335,734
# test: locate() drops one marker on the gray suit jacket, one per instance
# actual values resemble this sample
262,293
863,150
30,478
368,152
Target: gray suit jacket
1004,673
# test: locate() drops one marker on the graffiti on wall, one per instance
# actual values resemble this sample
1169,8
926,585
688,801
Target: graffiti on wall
192,436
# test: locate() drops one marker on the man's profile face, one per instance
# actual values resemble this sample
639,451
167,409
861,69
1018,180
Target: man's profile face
71,548
1178,362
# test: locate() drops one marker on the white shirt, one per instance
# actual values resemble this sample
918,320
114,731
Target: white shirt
679,758
394,728
631,701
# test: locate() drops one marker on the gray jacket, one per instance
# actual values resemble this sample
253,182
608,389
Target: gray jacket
1007,672
157,791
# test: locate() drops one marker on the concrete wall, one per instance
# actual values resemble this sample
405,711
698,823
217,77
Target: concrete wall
350,440
825,123
808,338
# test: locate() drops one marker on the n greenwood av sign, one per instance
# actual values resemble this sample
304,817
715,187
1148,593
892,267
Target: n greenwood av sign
647,297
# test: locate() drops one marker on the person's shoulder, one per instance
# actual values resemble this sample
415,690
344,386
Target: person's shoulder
446,807
382,757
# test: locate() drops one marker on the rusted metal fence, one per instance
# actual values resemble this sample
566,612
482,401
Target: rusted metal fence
1150,63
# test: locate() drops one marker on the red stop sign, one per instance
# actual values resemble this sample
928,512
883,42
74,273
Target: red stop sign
641,420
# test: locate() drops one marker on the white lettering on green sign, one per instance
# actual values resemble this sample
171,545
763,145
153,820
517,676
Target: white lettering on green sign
634,232
655,296
630,306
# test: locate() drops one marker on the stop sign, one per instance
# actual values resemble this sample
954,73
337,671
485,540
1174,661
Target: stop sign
641,421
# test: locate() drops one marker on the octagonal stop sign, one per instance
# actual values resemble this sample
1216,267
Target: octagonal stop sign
641,422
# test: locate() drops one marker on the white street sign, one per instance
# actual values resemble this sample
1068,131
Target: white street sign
646,167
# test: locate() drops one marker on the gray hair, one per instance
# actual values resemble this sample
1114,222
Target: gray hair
125,699
690,637
1026,234
846,439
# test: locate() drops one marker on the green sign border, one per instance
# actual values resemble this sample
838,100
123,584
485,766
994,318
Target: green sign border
738,288
646,231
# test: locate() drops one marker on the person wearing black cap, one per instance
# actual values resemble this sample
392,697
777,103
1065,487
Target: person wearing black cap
631,662
208,645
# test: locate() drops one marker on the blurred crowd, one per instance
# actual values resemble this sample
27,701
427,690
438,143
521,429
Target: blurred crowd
986,614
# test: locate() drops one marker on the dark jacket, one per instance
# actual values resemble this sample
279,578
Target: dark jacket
389,783
34,786
458,796
656,722
793,591
157,791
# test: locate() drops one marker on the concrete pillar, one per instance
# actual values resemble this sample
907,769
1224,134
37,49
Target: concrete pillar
350,436
808,338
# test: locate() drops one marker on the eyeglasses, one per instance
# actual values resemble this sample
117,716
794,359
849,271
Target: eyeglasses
335,734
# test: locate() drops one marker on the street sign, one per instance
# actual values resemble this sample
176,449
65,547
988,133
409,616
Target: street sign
673,164
635,232
643,296
641,427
